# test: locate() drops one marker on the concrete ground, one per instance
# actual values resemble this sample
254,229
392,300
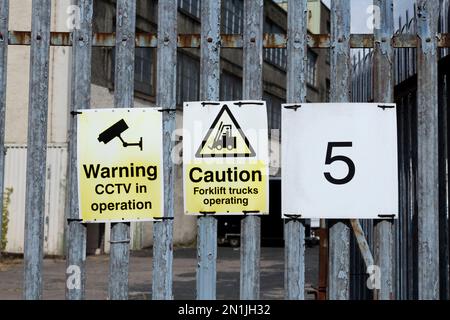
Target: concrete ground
140,278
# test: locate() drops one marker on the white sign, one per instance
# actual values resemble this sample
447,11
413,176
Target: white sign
225,158
339,161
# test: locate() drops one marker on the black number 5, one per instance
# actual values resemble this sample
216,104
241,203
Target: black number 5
329,160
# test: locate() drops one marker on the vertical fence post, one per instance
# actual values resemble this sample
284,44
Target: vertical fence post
444,271
384,92
166,99
37,149
427,152
252,89
123,98
339,235
209,90
294,230
4,16
80,99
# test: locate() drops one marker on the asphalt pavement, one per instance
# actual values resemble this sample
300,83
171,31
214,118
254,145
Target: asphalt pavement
140,276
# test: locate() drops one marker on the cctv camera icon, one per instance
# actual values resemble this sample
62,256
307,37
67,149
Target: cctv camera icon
115,131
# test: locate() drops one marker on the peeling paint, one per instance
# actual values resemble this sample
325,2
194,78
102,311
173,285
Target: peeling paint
427,153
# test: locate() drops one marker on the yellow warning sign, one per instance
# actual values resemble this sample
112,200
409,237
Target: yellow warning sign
120,165
226,161
226,188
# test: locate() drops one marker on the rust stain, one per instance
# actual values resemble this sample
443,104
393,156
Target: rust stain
149,40
61,39
319,40
19,38
272,40
24,38
146,40
405,41
189,41
444,40
104,39
231,40
361,41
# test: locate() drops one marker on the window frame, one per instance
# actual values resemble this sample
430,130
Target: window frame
188,12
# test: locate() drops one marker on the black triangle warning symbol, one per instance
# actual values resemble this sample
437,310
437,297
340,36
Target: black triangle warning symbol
225,138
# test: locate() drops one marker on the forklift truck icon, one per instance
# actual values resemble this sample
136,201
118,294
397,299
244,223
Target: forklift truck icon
224,138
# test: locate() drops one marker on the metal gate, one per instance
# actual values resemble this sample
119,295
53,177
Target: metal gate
406,85
423,170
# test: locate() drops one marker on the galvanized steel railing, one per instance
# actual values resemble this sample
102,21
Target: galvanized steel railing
383,42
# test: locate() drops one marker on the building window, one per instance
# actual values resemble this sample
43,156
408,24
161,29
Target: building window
192,7
188,78
275,56
232,16
144,71
230,87
311,68
273,110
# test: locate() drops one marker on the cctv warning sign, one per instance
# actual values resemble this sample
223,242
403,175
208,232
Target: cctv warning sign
120,164
225,158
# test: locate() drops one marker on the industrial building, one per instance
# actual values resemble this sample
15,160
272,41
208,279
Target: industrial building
188,77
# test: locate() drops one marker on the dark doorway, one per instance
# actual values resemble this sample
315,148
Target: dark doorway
95,238
229,228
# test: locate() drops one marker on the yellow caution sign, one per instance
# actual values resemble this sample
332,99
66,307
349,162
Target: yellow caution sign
120,176
225,161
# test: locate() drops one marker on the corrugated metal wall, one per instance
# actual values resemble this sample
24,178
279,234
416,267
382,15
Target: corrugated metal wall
15,173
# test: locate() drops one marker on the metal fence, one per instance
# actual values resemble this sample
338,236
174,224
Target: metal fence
419,165
406,85
405,59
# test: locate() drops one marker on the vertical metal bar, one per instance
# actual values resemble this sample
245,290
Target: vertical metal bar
37,149
363,80
411,231
403,163
443,188
447,97
339,236
123,98
4,16
323,260
384,92
166,98
252,89
407,50
209,90
80,99
207,257
427,146
294,230
360,74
